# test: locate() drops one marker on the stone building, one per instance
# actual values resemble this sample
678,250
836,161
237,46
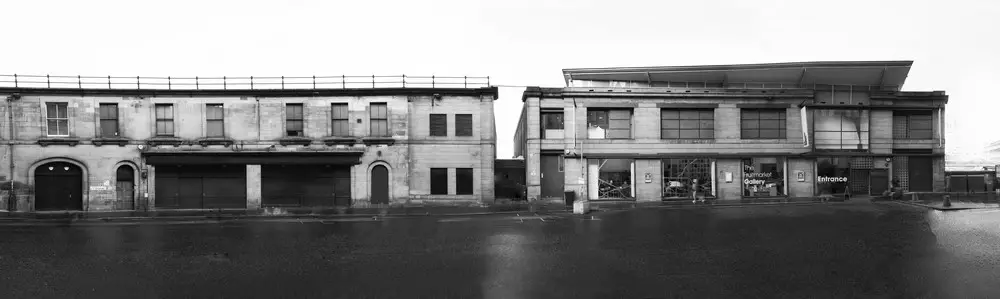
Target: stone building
732,132
150,148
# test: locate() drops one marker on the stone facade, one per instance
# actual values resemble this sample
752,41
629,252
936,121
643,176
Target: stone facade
254,121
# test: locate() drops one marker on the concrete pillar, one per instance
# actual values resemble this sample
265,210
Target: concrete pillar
253,187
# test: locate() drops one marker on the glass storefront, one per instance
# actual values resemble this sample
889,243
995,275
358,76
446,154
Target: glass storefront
763,177
611,178
832,175
679,177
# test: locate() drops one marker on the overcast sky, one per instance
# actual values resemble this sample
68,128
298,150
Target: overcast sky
954,44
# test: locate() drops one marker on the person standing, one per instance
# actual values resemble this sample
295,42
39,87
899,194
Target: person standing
695,188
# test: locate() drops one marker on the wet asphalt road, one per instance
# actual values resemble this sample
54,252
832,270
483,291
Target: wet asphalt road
854,250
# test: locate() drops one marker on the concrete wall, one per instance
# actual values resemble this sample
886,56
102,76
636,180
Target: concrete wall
255,123
805,188
653,190
729,190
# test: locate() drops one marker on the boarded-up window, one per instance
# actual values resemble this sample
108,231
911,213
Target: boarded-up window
918,124
439,125
762,123
339,123
293,120
109,120
617,123
58,119
463,181
687,124
463,124
164,120
215,120
378,113
439,181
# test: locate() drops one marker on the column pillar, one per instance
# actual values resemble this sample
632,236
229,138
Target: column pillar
253,187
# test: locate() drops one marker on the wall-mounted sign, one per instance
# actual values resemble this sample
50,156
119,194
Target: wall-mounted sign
649,178
800,176
831,179
729,177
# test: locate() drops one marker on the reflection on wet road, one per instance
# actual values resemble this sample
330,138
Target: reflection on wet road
852,250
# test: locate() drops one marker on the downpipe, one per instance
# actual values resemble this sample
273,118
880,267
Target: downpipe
12,195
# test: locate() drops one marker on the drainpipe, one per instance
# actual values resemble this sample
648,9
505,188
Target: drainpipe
12,201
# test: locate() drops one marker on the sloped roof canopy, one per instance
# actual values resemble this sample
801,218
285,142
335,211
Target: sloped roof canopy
890,74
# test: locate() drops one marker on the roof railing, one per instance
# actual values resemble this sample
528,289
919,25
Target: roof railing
242,83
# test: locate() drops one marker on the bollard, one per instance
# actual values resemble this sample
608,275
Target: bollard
947,201
913,197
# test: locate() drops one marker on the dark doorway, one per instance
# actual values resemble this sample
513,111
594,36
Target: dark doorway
380,185
921,172
552,176
58,187
125,188
201,186
880,181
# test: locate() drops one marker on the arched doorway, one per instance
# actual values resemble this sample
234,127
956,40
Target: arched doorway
125,188
58,187
380,185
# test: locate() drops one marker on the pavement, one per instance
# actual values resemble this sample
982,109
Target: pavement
855,249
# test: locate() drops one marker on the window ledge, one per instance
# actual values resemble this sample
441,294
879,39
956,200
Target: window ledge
286,141
120,141
378,140
204,142
162,140
58,141
340,140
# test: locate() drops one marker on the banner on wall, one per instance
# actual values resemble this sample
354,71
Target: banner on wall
805,127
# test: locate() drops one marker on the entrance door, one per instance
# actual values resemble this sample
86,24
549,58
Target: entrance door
125,188
58,187
921,173
880,181
380,185
552,176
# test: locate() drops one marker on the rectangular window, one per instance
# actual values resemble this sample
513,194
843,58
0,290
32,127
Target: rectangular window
913,125
762,123
439,125
609,123
339,123
58,119
463,181
378,113
841,129
763,177
439,181
214,120
109,120
164,120
687,124
552,125
683,176
463,124
293,120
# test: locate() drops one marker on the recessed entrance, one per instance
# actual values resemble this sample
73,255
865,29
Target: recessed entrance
380,185
58,187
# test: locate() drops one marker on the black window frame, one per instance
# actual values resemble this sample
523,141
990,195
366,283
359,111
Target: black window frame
438,181
295,117
109,123
463,125
753,116
378,119
211,118
682,122
164,120
340,123
464,181
437,125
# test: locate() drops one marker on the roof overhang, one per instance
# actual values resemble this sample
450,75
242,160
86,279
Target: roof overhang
856,73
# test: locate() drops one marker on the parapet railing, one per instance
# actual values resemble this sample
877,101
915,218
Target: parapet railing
251,82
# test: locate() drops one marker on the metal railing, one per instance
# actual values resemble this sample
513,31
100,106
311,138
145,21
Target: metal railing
241,83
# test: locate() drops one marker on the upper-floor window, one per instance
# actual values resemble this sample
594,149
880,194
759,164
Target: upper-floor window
215,120
687,124
58,119
609,123
916,124
552,125
762,124
463,124
438,125
164,119
108,112
379,117
841,129
340,126
294,120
